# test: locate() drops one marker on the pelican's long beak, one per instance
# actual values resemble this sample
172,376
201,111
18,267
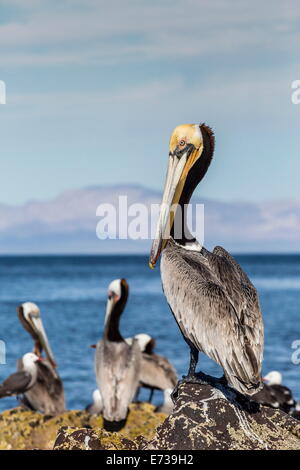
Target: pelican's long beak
110,304
38,327
182,157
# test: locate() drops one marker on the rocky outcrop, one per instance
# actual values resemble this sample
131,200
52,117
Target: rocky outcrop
209,416
23,429
69,438
205,417
215,417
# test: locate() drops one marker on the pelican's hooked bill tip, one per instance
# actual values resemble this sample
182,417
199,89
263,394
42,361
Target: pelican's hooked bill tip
151,265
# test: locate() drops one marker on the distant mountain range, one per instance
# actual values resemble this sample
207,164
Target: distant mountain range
67,224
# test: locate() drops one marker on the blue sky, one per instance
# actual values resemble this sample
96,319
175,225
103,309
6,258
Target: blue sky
94,89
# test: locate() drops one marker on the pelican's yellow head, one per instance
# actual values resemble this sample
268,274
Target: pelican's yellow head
186,134
185,149
186,141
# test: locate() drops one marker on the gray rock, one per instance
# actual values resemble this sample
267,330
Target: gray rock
69,438
216,417
205,417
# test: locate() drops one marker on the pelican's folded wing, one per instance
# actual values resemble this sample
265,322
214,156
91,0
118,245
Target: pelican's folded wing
15,384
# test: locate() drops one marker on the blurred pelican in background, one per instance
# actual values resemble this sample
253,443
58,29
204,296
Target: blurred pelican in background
117,363
157,373
47,393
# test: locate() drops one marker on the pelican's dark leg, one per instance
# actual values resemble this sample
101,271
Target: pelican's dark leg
194,355
151,395
191,377
137,394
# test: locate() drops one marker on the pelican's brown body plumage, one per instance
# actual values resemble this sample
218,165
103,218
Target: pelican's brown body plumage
217,310
117,372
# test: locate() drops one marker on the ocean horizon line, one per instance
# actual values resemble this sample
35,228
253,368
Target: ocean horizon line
136,254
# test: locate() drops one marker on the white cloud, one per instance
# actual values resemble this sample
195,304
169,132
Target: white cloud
157,100
226,62
88,31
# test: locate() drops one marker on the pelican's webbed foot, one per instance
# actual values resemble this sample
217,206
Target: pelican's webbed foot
187,379
194,379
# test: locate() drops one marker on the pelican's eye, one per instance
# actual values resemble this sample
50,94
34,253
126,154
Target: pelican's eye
34,315
182,143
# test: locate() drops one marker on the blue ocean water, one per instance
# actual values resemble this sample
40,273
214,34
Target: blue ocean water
71,293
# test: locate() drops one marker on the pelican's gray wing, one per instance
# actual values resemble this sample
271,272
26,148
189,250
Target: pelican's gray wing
15,384
117,373
244,296
222,337
157,372
208,317
220,251
47,394
48,376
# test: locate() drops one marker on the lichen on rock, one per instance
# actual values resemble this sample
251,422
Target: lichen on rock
215,417
208,416
69,438
24,429
205,417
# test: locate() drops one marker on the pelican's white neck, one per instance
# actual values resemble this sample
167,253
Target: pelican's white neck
192,245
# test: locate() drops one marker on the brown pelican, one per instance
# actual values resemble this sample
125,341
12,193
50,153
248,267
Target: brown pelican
117,363
47,394
21,381
214,303
157,373
275,394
